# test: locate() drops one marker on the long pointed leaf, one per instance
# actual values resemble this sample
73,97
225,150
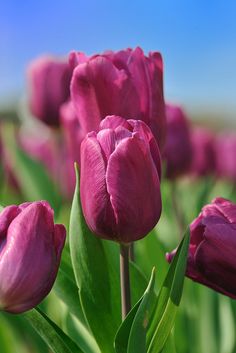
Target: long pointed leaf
55,338
168,299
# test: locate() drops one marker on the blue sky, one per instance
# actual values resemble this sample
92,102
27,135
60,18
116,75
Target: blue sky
197,39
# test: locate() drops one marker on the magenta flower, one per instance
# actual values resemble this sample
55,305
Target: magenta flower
125,83
211,258
225,148
53,152
120,180
49,82
177,153
203,158
30,252
72,131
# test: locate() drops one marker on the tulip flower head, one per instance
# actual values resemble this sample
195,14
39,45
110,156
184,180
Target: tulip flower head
225,148
125,83
120,180
203,157
49,82
177,152
212,251
30,252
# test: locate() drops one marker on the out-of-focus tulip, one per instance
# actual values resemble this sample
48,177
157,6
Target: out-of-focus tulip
73,133
125,83
225,148
30,252
120,180
51,150
203,158
177,153
212,251
49,87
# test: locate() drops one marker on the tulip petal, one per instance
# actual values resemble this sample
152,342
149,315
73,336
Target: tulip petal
144,131
120,59
26,259
227,209
134,189
147,74
98,89
94,196
113,121
6,217
218,267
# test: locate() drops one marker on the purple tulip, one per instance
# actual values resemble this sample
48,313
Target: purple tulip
125,83
120,180
49,87
72,130
178,149
203,159
211,258
52,151
225,156
30,252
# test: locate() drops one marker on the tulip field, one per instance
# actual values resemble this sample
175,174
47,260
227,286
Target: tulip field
118,214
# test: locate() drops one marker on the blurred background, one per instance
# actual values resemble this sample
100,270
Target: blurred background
196,39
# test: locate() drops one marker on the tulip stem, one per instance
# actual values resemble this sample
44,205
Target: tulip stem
124,280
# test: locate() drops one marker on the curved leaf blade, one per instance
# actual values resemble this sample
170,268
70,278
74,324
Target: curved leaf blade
54,337
132,332
168,299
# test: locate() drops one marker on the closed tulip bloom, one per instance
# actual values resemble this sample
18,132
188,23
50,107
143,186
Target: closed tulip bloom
177,152
212,251
120,180
125,83
72,131
30,252
225,148
52,152
49,87
203,158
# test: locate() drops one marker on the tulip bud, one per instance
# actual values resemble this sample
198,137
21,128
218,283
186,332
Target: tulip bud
203,158
30,252
49,81
120,180
211,258
72,130
225,156
178,149
125,83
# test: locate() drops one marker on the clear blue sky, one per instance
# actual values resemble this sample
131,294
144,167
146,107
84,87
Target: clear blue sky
197,39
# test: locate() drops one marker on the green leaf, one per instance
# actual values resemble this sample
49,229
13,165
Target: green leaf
122,335
99,293
150,252
67,290
137,337
132,332
137,279
168,300
55,338
34,181
169,346
80,334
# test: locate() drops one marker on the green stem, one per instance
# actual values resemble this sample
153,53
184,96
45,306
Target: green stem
124,280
